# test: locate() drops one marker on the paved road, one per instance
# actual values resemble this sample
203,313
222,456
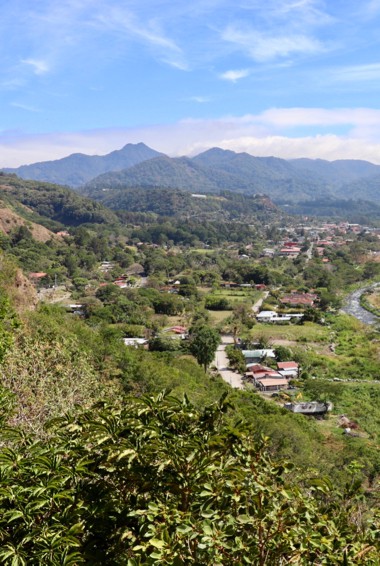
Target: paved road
256,307
221,363
352,306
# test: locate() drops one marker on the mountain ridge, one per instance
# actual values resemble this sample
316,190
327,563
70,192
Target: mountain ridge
78,168
214,170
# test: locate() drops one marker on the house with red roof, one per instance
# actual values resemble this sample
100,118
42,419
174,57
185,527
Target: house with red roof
288,369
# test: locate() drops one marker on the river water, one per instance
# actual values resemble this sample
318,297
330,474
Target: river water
352,306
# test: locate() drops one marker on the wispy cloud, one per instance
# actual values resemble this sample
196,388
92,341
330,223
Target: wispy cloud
39,66
234,76
199,99
26,107
356,73
262,47
148,32
310,12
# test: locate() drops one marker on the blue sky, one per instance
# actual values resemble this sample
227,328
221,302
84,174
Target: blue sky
291,78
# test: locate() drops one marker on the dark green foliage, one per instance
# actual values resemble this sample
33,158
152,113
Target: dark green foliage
283,354
353,210
236,358
217,303
54,202
204,341
212,171
158,482
164,343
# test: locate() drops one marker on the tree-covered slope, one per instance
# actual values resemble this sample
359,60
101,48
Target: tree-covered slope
339,172
79,168
53,202
355,211
176,173
367,188
232,172
181,204
271,175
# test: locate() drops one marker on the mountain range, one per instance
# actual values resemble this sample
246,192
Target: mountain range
78,168
215,170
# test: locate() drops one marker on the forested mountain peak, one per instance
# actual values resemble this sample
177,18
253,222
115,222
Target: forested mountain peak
78,168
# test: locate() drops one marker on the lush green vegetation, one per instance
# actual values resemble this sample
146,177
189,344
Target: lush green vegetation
159,482
53,202
113,452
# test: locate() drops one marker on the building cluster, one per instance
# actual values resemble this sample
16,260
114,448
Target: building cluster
268,379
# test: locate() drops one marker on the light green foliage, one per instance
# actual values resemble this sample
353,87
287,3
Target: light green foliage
236,358
49,373
158,482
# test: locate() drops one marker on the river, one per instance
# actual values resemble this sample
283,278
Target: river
352,306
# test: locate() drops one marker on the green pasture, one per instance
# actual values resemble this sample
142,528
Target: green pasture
307,332
216,317
237,295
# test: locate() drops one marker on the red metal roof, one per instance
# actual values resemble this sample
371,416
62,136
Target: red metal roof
287,365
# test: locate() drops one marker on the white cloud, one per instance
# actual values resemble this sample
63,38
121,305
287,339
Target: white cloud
39,66
234,76
265,47
262,134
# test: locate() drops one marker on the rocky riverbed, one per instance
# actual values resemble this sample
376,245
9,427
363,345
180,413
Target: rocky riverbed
352,306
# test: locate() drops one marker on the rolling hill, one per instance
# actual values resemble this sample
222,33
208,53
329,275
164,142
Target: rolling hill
226,206
51,205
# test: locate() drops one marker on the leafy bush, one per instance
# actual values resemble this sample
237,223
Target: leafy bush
158,482
217,303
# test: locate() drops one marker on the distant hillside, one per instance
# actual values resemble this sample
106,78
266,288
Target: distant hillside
78,168
175,173
43,202
270,175
213,171
250,175
356,211
337,173
368,188
216,170
182,204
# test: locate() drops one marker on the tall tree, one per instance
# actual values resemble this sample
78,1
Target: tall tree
204,343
